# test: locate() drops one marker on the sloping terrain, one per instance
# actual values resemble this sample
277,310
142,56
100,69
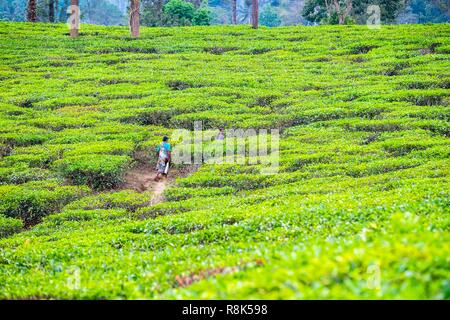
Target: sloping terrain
359,208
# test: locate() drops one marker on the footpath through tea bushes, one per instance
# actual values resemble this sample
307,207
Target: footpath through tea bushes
359,208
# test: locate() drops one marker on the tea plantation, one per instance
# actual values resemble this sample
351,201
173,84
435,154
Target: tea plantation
359,208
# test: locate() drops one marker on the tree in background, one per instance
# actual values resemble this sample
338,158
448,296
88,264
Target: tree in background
63,10
31,11
244,11
435,11
389,9
328,11
221,11
93,11
183,13
315,11
290,11
234,11
342,11
134,18
179,13
249,10
101,12
255,14
74,18
349,11
13,10
269,17
45,10
152,12
51,10
202,16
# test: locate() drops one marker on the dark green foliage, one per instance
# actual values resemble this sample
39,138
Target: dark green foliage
179,12
202,17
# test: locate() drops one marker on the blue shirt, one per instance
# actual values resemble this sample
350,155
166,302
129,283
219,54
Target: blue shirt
166,146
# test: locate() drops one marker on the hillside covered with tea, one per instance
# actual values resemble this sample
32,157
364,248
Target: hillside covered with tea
358,209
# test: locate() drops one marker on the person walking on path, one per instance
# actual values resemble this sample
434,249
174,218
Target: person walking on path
163,152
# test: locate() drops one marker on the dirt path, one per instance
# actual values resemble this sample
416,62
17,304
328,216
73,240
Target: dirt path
140,179
158,191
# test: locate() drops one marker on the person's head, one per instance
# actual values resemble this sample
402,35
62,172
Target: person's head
165,139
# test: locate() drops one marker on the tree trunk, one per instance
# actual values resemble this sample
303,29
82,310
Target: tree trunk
233,12
51,10
74,18
348,9
134,18
255,14
159,9
31,11
342,14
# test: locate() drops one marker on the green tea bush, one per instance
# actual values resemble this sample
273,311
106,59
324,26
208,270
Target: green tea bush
379,167
176,194
9,226
22,173
30,202
422,97
160,210
32,160
113,147
126,199
61,102
61,123
239,182
85,215
97,171
23,139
